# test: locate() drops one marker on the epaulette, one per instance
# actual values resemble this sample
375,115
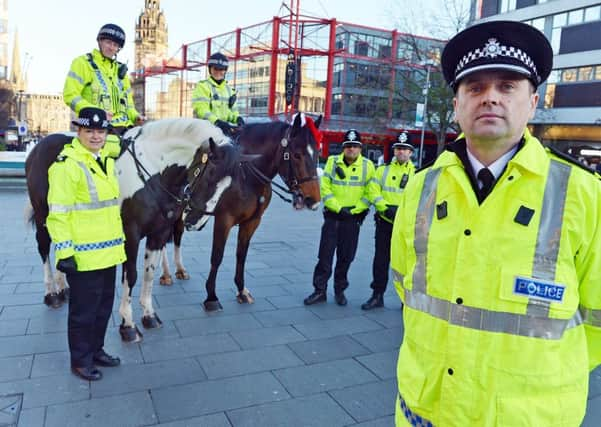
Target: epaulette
572,160
425,166
61,158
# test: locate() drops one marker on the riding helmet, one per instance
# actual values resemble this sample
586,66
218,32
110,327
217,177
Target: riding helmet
112,32
218,60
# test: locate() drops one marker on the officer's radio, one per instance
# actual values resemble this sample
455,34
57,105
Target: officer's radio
340,173
404,180
121,70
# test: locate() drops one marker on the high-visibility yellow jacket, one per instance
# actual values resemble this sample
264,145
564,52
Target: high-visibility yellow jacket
210,101
84,217
351,190
100,87
388,183
502,310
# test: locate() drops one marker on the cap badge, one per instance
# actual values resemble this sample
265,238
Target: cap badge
352,136
96,119
492,48
403,137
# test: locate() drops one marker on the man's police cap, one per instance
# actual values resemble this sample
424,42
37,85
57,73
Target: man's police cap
402,142
352,137
498,45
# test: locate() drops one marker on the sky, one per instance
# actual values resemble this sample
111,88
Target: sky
52,33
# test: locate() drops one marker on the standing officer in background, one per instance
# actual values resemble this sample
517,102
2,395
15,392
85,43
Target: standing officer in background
496,254
214,99
385,192
98,80
344,193
84,221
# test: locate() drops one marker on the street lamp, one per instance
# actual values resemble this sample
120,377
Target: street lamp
428,65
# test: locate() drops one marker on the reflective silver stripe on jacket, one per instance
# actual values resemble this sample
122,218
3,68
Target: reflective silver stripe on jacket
91,185
74,102
423,222
327,197
201,98
56,208
73,75
536,323
590,317
488,320
549,231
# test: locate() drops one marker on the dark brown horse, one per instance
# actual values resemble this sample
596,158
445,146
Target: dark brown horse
166,163
242,197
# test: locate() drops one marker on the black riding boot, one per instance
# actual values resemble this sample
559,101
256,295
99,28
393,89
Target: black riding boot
376,300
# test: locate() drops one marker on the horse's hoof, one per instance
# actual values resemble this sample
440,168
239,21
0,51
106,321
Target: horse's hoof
64,294
130,333
166,280
212,306
151,322
53,300
182,275
245,297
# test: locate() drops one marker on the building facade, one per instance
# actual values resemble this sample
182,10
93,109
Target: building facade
569,111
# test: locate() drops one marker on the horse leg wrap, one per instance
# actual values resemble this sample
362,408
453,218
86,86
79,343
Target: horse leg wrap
53,300
245,297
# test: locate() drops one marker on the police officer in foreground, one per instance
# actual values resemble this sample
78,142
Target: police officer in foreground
97,79
84,222
385,191
344,193
496,254
214,99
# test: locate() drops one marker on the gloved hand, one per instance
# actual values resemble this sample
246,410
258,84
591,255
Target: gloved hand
225,127
390,212
67,265
240,121
345,213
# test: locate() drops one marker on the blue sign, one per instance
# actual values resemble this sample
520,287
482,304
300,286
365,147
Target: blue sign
539,289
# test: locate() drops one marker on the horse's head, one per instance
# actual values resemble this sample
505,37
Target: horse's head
209,175
299,166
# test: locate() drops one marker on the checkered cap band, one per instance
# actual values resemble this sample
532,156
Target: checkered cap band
87,123
493,49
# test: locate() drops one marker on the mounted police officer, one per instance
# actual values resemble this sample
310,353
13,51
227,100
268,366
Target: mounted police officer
97,79
496,250
385,191
84,222
344,193
214,99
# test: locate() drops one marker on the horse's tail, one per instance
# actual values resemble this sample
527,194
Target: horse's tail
28,214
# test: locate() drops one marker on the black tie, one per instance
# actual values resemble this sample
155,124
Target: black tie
99,161
487,179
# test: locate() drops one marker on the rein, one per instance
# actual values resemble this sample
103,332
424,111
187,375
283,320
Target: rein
143,174
292,181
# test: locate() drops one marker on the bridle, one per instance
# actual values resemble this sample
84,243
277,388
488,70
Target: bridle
185,198
292,181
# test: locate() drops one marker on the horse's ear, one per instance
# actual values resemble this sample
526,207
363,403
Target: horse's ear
318,121
297,121
212,145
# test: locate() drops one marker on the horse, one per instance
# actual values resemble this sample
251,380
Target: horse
242,197
162,166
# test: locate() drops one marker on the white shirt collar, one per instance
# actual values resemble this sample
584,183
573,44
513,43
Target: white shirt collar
495,167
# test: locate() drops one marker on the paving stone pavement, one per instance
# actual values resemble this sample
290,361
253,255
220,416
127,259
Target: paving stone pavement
273,363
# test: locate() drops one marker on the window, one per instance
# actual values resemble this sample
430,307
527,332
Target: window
507,5
575,17
539,24
598,72
569,75
585,73
361,48
592,13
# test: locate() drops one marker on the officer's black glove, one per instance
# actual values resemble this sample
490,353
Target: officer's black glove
225,127
240,121
390,212
345,213
67,265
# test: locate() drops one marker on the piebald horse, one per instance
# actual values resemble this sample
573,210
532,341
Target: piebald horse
163,165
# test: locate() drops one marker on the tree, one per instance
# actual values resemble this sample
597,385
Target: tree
447,18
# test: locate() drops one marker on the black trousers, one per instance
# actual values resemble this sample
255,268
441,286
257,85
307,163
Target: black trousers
381,263
90,306
340,237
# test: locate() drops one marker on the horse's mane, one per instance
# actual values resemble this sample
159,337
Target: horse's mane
265,131
176,140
